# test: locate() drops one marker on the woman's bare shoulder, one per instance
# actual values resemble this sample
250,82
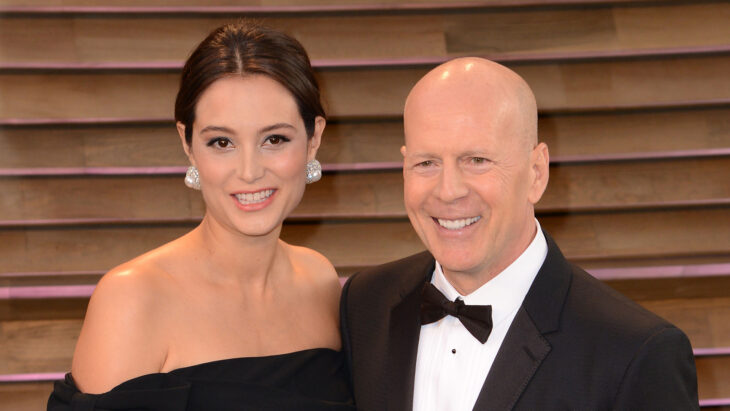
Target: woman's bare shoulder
123,335
313,263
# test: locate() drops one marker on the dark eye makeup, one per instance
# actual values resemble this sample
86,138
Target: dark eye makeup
220,142
276,139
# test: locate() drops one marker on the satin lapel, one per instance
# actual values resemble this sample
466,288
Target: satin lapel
405,328
518,358
404,332
525,347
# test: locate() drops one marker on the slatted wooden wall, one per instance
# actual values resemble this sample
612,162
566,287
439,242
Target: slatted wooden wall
634,100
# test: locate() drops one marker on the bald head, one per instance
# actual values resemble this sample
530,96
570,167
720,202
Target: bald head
472,86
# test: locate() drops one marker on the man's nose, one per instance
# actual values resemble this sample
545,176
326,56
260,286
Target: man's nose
451,186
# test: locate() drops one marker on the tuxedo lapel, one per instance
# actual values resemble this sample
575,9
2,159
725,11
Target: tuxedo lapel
404,332
525,346
521,353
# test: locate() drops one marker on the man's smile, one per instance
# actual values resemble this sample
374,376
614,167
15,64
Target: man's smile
456,224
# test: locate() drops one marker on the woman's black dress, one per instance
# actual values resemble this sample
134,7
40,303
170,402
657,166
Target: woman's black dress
313,379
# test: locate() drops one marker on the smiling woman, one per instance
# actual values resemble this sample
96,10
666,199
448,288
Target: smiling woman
228,316
250,147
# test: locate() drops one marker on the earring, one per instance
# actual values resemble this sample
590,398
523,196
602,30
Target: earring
313,171
192,178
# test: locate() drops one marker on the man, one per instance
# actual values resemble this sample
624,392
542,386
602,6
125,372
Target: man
418,332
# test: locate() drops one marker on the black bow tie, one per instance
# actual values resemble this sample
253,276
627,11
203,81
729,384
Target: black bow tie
477,319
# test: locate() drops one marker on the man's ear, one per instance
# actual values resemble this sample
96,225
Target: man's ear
539,172
316,139
186,147
403,153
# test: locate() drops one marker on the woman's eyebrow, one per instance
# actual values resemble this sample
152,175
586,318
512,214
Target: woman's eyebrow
217,128
275,126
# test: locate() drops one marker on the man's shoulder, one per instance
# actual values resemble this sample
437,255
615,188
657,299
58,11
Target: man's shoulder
585,301
390,277
609,312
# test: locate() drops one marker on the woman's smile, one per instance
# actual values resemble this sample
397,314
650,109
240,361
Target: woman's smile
254,200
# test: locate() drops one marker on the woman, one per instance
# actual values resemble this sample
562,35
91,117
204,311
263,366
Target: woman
228,316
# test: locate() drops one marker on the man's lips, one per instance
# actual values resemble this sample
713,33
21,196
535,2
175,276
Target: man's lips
456,224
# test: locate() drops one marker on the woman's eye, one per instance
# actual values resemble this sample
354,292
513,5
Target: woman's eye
220,142
276,139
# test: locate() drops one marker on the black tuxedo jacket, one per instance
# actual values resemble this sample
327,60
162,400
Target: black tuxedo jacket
575,344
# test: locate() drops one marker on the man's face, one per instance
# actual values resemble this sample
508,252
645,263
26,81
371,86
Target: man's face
469,183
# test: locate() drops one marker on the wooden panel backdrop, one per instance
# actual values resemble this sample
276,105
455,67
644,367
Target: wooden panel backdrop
634,102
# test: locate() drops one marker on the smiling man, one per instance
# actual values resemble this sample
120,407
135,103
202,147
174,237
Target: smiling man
492,316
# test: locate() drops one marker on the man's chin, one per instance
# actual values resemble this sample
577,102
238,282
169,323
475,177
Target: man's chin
456,262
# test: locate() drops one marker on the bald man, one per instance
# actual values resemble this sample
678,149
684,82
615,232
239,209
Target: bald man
492,316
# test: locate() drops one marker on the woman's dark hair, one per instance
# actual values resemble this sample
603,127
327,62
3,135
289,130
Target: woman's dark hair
248,48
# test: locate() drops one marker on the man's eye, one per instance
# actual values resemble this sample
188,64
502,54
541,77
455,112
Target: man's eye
426,163
478,160
220,142
276,139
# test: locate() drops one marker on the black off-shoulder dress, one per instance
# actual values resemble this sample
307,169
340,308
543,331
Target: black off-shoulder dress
308,380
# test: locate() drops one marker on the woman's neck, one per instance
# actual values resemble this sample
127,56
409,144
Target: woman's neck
232,258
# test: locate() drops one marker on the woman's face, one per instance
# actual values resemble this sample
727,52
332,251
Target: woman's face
250,147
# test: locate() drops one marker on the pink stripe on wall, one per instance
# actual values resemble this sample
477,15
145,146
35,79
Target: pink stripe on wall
43,376
388,62
46,291
668,271
410,6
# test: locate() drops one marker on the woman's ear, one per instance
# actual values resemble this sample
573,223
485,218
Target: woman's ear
186,147
316,139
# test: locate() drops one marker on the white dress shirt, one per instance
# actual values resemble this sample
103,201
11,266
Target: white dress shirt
452,365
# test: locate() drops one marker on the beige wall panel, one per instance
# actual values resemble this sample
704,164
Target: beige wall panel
89,197
42,309
173,38
615,185
713,377
381,35
47,346
27,396
583,29
641,234
88,95
679,26
604,134
375,93
33,396
630,133
91,146
705,320
37,346
671,284
572,187
158,3
617,236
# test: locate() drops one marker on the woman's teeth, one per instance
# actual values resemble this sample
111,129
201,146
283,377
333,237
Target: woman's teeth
253,198
457,224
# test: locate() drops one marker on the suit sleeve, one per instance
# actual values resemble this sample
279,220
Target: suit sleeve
661,376
344,329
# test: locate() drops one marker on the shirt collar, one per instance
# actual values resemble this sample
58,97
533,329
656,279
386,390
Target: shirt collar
506,291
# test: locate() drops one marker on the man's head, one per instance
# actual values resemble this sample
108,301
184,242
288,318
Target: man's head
473,169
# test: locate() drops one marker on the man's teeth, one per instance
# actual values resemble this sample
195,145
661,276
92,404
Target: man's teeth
252,198
457,224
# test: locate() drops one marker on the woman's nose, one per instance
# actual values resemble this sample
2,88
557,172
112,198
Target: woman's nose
251,168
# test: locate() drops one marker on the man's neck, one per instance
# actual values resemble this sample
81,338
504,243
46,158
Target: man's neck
466,282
